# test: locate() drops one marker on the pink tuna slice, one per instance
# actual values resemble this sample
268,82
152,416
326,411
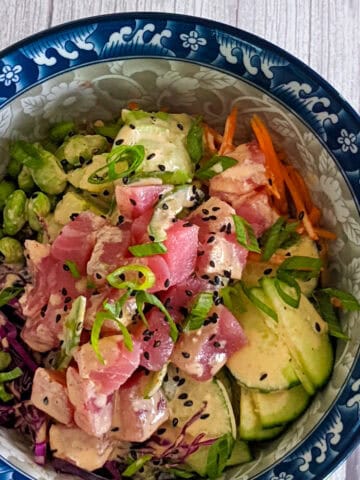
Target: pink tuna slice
221,255
202,353
93,411
110,249
181,244
133,201
139,228
49,394
135,418
119,363
248,175
158,266
156,344
77,240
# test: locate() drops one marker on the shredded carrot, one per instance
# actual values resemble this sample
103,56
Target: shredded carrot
301,187
217,136
210,140
322,233
133,106
274,168
276,259
314,215
229,132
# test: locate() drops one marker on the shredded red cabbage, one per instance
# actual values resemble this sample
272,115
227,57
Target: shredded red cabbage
40,453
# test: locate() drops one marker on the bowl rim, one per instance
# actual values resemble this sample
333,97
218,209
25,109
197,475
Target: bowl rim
264,45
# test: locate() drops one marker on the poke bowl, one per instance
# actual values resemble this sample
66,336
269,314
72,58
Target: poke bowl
82,103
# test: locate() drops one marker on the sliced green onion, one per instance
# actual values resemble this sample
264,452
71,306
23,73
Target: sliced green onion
115,308
194,141
5,360
61,130
147,249
4,395
181,473
11,375
27,154
219,453
73,327
302,267
131,156
216,165
281,278
245,234
328,313
232,299
279,235
136,466
8,294
96,330
145,297
199,311
348,301
144,280
249,292
73,268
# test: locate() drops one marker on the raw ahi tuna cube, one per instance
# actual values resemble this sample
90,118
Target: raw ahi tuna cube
133,201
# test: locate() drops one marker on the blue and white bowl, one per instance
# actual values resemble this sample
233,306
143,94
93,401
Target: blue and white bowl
92,68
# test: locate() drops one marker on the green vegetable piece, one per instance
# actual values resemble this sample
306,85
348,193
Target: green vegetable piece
80,149
328,313
108,130
194,141
218,455
25,180
199,311
5,360
15,213
147,249
12,250
38,208
43,166
135,277
6,189
4,395
73,269
8,294
245,234
215,166
348,301
136,465
11,375
60,131
15,162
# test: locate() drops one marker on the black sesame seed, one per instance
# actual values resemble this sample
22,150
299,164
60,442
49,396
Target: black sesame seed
212,337
119,141
150,156
215,209
73,216
187,224
301,215
125,180
227,273
223,228
64,162
132,126
270,181
288,254
200,253
64,291
98,276
205,277
140,274
147,338
122,277
115,429
165,206
147,355
180,126
133,202
263,376
185,354
151,237
205,211
106,193
183,396
188,403
188,293
157,343
214,317
212,263
166,378
213,217
175,421
120,219
65,308
58,318
167,283
211,239
162,168
205,219
161,431
181,382
228,228
184,311
317,327
204,416
217,344
176,378
67,300
267,271
45,401
217,280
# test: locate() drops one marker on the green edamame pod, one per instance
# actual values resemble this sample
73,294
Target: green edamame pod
15,163
25,180
60,131
80,149
6,189
12,250
43,166
14,213
38,207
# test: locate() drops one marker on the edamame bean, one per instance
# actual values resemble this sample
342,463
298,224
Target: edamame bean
6,189
12,250
25,180
14,215
38,207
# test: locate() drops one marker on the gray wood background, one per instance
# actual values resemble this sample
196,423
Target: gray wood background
325,34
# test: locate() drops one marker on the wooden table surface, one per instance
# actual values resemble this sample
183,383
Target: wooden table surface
323,33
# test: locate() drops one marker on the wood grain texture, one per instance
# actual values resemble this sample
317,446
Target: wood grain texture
322,33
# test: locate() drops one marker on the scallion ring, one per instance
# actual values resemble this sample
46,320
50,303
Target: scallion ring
143,279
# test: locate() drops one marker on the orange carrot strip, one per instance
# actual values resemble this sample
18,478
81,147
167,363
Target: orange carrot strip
209,137
229,132
275,259
272,163
217,136
314,215
301,187
133,106
322,233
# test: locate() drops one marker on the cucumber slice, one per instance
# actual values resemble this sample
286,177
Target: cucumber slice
72,203
278,408
306,335
170,205
155,381
264,362
305,247
250,427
